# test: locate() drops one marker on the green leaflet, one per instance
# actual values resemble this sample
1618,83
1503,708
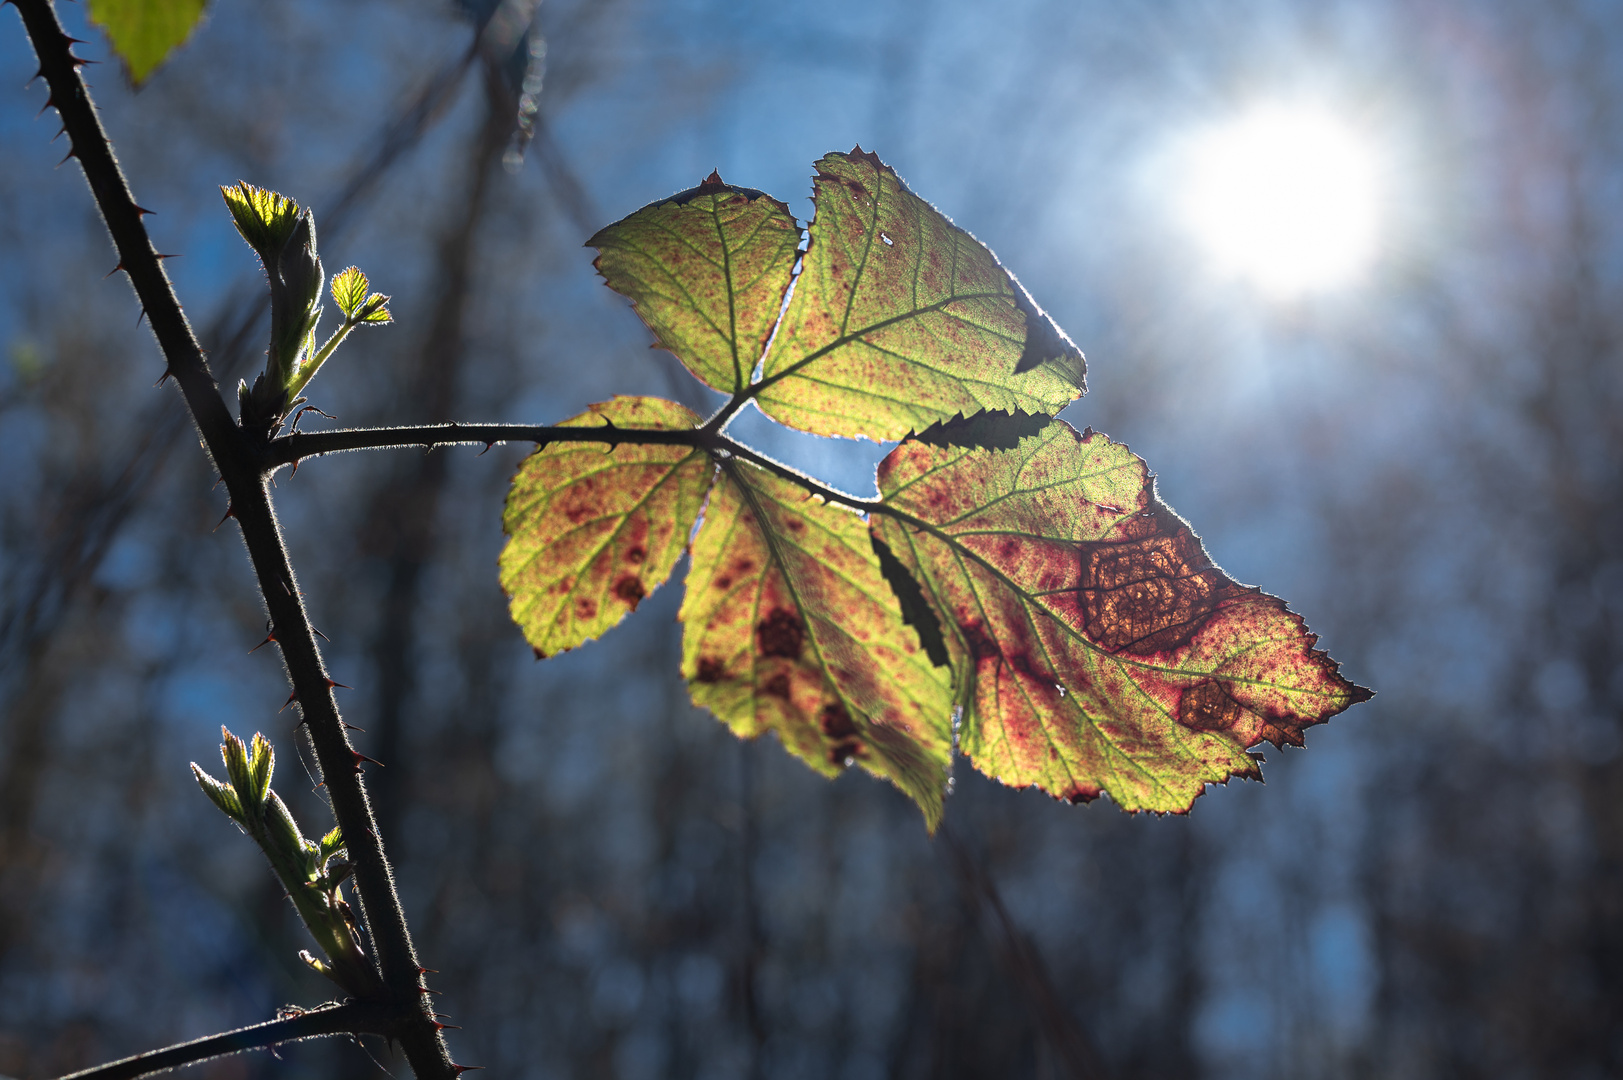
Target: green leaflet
706,270
591,532
900,319
1096,646
790,626
349,290
144,32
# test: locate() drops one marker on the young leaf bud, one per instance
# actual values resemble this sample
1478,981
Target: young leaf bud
235,755
301,267
283,832
220,794
261,764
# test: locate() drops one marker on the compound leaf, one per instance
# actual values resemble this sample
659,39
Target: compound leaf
1095,646
790,626
591,531
706,270
144,32
900,319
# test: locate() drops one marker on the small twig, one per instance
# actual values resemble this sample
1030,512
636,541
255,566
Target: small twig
353,1018
291,448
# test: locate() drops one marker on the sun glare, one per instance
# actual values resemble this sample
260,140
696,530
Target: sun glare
1285,197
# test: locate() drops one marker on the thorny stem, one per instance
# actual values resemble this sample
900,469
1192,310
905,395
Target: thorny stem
238,462
290,449
353,1018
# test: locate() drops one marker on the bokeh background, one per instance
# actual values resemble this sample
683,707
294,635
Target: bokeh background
1425,460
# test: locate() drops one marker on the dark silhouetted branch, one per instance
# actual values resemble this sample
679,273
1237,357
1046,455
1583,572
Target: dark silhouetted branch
353,1018
238,462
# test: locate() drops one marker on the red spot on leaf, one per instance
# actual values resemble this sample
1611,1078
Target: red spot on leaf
636,556
585,608
711,670
1153,594
1208,706
781,633
629,588
836,721
840,753
981,645
777,686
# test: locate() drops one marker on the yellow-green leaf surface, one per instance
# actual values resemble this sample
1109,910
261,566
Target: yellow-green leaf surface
144,32
790,626
706,270
592,531
349,290
1095,645
900,319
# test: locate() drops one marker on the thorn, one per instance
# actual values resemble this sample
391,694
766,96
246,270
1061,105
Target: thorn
163,379
352,727
114,270
322,636
138,319
230,512
72,41
59,133
161,257
291,698
50,103
460,1069
141,211
453,1027
341,686
486,450
69,154
292,474
40,74
360,757
426,990
268,639
79,61
429,971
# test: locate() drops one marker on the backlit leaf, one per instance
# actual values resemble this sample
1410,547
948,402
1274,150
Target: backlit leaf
144,32
790,626
591,531
1095,645
349,290
706,270
265,218
900,319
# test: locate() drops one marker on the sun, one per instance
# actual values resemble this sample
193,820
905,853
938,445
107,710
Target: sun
1286,197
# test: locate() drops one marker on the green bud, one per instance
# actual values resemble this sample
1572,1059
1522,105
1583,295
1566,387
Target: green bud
235,755
220,794
301,268
282,832
260,766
